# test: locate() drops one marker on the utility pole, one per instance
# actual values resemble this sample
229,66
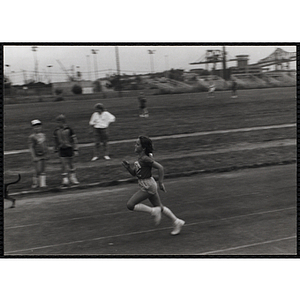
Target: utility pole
118,70
34,49
224,64
49,66
8,76
151,52
88,65
24,76
167,62
94,51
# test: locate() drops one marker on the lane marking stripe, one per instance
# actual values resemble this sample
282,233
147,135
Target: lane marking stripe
117,213
249,245
175,136
135,233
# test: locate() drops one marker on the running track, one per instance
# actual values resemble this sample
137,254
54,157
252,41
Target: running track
246,212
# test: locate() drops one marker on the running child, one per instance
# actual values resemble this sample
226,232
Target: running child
66,145
38,148
142,169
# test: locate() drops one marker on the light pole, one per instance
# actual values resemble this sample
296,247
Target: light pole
78,73
8,76
118,71
151,52
167,62
94,51
34,49
88,65
49,66
167,65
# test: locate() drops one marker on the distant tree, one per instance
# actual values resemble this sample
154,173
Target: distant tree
116,82
76,89
176,74
138,79
97,86
58,91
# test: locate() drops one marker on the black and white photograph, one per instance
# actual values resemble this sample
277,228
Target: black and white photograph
150,150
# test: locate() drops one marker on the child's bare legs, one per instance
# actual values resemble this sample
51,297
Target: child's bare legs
105,147
177,223
134,204
155,200
139,196
35,175
96,143
72,170
39,178
96,149
42,176
64,170
135,200
64,164
68,167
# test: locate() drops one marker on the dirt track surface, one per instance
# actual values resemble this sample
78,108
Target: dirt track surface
246,212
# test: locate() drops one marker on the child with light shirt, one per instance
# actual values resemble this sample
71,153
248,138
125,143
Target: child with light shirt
38,148
99,123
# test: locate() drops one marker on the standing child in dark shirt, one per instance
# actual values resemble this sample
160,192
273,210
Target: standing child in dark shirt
66,145
142,169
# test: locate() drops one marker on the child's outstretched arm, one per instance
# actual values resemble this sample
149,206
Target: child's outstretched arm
161,173
127,166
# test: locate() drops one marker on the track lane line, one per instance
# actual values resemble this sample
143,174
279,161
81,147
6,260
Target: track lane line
175,136
248,245
140,232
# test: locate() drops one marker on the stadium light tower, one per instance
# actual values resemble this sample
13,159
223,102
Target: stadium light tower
94,51
88,65
49,68
167,62
151,52
118,70
8,76
34,50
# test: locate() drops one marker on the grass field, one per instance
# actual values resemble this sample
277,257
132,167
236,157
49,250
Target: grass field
169,115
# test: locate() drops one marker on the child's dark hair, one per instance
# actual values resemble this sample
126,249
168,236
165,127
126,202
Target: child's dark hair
146,144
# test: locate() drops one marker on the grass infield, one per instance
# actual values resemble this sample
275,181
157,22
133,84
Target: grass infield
169,115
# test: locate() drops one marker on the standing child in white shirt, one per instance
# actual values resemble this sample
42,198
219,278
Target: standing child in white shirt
99,123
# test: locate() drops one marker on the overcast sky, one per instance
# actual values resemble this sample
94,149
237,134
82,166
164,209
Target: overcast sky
133,59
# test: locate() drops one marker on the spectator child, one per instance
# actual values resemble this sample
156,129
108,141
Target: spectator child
211,90
143,105
99,123
66,145
38,148
233,89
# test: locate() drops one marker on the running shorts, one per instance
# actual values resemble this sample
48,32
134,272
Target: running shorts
148,185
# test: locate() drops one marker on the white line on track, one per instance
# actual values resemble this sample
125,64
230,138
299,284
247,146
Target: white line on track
145,231
249,245
65,220
176,136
